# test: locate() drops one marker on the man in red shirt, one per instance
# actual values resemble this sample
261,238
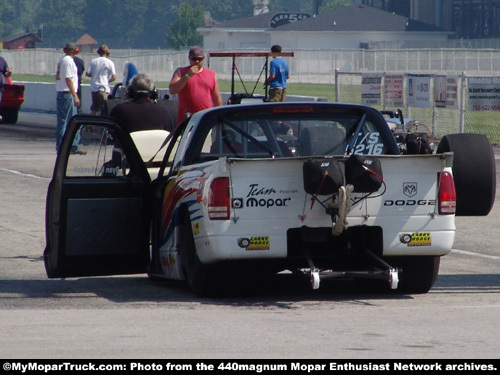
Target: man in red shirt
196,86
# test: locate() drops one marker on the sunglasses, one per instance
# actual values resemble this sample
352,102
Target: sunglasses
197,59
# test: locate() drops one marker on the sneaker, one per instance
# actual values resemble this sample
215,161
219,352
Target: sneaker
79,152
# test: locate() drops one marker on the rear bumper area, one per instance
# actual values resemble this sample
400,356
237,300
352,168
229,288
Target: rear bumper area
346,251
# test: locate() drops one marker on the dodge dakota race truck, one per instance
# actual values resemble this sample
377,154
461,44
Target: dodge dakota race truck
243,192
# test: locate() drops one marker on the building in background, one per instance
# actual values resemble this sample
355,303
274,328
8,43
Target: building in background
86,43
353,27
468,19
21,41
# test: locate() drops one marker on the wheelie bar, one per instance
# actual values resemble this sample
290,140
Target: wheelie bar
388,272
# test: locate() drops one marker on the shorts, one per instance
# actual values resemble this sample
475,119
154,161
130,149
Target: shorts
98,99
277,94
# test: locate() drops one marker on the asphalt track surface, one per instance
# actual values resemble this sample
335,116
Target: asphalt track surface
133,317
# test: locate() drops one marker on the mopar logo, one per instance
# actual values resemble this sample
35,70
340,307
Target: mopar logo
279,202
263,202
410,189
237,203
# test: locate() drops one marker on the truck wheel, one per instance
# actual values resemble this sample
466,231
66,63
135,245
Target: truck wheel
9,115
418,273
474,172
198,275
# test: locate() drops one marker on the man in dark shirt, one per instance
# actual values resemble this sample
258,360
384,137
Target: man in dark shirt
142,113
80,67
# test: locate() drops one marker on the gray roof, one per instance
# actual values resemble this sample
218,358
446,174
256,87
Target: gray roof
351,18
359,18
13,37
261,21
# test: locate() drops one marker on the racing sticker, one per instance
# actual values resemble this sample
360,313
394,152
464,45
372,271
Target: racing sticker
254,243
416,239
196,228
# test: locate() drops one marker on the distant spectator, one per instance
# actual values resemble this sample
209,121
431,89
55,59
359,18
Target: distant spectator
129,72
278,74
102,72
67,99
80,67
196,86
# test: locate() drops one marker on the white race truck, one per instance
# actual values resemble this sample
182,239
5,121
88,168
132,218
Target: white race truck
243,192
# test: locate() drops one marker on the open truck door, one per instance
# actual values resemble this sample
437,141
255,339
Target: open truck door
99,203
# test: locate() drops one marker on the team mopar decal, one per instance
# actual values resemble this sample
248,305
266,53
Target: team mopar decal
254,243
416,239
259,196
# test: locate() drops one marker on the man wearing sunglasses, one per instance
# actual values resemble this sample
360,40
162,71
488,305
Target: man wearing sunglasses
196,86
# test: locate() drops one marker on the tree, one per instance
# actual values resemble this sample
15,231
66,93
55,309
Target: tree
61,20
222,10
328,5
182,33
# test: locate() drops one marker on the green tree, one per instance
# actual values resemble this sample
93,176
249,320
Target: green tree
222,10
328,5
7,14
182,33
61,20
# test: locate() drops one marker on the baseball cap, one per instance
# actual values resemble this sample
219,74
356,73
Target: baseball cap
70,46
196,52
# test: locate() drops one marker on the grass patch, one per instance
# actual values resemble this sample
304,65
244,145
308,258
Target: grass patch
305,89
475,122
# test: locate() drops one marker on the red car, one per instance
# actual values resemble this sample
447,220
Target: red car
12,98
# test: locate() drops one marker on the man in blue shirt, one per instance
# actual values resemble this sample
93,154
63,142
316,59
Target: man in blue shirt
278,74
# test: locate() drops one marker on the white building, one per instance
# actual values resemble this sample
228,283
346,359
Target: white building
351,27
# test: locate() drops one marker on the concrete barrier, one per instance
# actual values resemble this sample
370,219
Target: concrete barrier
41,97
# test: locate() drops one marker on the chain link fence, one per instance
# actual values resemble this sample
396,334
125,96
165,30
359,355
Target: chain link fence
341,69
307,66
469,104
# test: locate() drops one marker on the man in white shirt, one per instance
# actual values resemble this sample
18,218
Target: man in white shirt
102,71
67,99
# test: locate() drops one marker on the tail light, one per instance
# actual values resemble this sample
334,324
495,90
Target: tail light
447,196
218,199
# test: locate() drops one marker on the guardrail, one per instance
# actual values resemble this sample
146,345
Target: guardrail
42,97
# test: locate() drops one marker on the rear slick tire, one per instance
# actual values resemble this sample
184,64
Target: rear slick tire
417,276
474,172
199,276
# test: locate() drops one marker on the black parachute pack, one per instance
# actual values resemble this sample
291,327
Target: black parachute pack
322,177
364,173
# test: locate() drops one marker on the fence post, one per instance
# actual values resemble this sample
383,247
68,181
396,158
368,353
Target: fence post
462,103
336,85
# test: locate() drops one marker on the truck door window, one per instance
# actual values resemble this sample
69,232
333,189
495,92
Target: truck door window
100,154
